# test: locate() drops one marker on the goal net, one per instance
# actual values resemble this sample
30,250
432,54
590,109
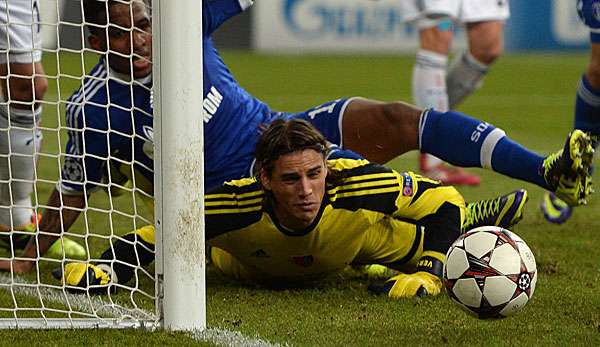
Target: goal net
89,159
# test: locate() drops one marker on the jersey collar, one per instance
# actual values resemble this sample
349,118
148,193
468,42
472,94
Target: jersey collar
269,209
125,78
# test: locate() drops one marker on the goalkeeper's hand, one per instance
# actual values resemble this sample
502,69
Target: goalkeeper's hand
409,285
80,277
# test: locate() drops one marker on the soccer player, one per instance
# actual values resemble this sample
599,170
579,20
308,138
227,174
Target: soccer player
433,83
304,217
120,131
22,87
587,104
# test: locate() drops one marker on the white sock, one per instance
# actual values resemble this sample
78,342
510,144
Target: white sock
429,89
22,142
464,77
429,80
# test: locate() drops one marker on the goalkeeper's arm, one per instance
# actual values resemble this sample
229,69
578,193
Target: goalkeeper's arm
58,217
441,228
117,265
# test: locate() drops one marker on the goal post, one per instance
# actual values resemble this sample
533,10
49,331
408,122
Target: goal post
169,292
177,44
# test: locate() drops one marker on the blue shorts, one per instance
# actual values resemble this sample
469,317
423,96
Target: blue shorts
589,12
327,118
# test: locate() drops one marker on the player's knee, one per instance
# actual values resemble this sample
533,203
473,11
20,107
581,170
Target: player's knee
27,89
487,54
436,40
41,86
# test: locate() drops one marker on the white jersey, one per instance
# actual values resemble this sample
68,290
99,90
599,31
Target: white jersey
20,31
430,12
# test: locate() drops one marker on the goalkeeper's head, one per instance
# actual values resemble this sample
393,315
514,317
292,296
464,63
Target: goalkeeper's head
122,30
291,162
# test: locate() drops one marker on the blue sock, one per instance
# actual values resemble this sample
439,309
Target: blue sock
469,142
587,108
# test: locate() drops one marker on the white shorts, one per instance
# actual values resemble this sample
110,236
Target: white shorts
429,13
20,38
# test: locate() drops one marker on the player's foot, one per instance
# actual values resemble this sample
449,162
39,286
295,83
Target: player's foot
72,249
567,171
555,210
19,239
448,175
504,211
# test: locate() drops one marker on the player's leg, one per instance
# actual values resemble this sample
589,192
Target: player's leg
23,85
587,105
382,131
19,145
468,69
429,90
484,21
429,83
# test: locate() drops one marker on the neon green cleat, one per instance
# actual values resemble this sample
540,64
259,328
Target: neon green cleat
20,238
504,211
567,171
72,250
555,210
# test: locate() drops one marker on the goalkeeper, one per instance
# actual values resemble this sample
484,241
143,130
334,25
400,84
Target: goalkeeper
305,216
110,120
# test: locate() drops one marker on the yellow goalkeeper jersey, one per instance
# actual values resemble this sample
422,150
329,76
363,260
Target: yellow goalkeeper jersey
369,215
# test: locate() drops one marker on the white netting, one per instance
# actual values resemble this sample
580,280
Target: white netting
96,126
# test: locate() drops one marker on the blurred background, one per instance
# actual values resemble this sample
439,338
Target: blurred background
358,26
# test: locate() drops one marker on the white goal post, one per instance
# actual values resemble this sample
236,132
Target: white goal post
179,165
168,294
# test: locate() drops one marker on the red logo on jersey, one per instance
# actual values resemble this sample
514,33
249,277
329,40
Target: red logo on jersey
407,190
303,261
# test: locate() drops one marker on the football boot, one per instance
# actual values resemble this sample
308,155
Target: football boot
18,240
504,211
567,171
555,210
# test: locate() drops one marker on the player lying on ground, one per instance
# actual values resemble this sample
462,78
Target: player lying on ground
379,131
304,217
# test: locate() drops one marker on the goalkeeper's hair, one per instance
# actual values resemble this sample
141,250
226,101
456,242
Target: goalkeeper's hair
95,12
286,136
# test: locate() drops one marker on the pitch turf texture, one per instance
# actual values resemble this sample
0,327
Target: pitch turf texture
530,96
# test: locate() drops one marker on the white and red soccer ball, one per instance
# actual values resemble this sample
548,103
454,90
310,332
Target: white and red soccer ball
490,272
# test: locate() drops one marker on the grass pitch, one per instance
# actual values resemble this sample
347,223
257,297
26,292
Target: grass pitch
529,96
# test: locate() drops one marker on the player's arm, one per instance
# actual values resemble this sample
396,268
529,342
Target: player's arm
59,216
233,206
215,13
438,211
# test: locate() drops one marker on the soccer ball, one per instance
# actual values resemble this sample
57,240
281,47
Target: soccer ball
490,272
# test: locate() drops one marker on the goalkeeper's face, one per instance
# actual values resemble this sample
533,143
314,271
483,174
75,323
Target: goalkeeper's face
298,186
129,39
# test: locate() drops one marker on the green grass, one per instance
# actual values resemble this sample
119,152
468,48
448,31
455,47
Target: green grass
529,96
